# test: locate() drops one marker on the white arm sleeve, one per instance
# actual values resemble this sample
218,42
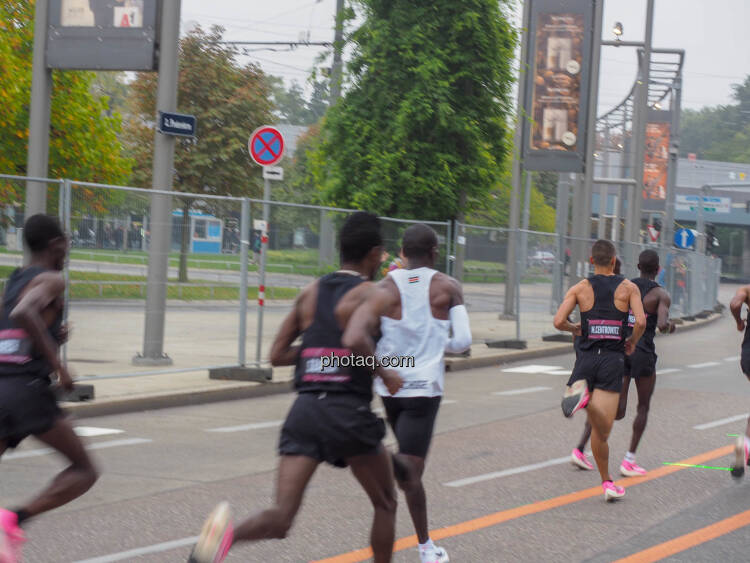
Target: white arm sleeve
461,339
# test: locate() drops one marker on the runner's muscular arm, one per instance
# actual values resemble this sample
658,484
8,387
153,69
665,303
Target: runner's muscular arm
460,339
636,305
662,313
362,328
735,306
567,306
283,353
28,314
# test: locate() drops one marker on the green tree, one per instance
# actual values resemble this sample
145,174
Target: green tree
83,140
229,100
421,131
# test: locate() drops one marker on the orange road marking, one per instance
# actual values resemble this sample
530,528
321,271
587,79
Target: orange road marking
692,539
520,511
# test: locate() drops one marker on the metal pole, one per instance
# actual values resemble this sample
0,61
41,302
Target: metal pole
593,98
525,223
561,228
161,212
37,157
641,110
338,47
601,232
668,227
244,252
616,218
448,240
262,270
700,243
510,262
66,188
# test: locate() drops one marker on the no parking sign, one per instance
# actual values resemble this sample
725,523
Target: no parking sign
266,145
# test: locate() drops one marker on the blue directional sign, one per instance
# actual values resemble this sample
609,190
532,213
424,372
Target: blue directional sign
684,238
177,124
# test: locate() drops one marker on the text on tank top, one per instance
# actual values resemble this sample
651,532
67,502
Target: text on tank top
18,355
646,342
316,369
603,326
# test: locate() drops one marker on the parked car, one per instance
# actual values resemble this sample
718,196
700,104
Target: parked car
542,258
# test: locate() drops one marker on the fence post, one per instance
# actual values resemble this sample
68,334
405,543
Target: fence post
518,274
244,251
66,189
448,237
262,269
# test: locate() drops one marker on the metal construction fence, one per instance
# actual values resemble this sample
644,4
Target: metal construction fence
207,320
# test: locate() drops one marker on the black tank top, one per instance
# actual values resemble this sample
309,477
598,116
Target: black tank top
746,339
603,326
316,370
646,342
18,355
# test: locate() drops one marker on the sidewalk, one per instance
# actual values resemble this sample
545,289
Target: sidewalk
194,387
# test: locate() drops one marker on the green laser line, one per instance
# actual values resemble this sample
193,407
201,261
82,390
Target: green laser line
732,435
699,466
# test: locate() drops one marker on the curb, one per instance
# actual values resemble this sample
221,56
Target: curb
165,400
231,392
460,364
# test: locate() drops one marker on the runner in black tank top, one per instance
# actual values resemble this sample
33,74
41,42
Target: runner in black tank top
641,365
742,444
597,377
30,333
331,420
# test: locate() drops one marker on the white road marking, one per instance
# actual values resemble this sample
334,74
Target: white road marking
448,401
139,551
720,422
508,472
558,372
252,426
96,446
667,370
732,359
87,431
704,365
522,391
534,368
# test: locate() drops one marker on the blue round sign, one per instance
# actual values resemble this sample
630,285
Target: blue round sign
684,238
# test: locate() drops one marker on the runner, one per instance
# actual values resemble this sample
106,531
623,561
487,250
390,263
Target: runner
641,365
415,309
603,300
331,420
578,457
742,444
31,331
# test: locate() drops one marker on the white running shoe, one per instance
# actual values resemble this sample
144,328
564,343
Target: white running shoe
434,555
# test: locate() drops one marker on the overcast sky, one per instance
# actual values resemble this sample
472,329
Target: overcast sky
714,34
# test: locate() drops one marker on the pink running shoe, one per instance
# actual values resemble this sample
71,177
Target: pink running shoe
628,469
575,398
12,537
216,537
741,454
579,459
612,491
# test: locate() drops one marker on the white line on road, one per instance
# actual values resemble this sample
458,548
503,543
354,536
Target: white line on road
137,552
721,422
252,426
667,370
96,446
522,391
88,431
704,365
558,372
509,472
732,359
532,369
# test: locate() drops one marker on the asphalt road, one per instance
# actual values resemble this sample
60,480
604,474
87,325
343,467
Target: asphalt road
498,481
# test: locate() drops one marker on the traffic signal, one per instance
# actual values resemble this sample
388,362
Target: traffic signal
711,240
657,224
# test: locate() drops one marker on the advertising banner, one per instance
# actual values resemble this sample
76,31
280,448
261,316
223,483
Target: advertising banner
656,161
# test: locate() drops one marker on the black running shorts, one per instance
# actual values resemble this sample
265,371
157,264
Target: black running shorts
602,369
412,420
331,427
27,407
745,362
640,364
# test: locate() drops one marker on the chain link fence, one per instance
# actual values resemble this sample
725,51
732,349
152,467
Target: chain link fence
208,323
